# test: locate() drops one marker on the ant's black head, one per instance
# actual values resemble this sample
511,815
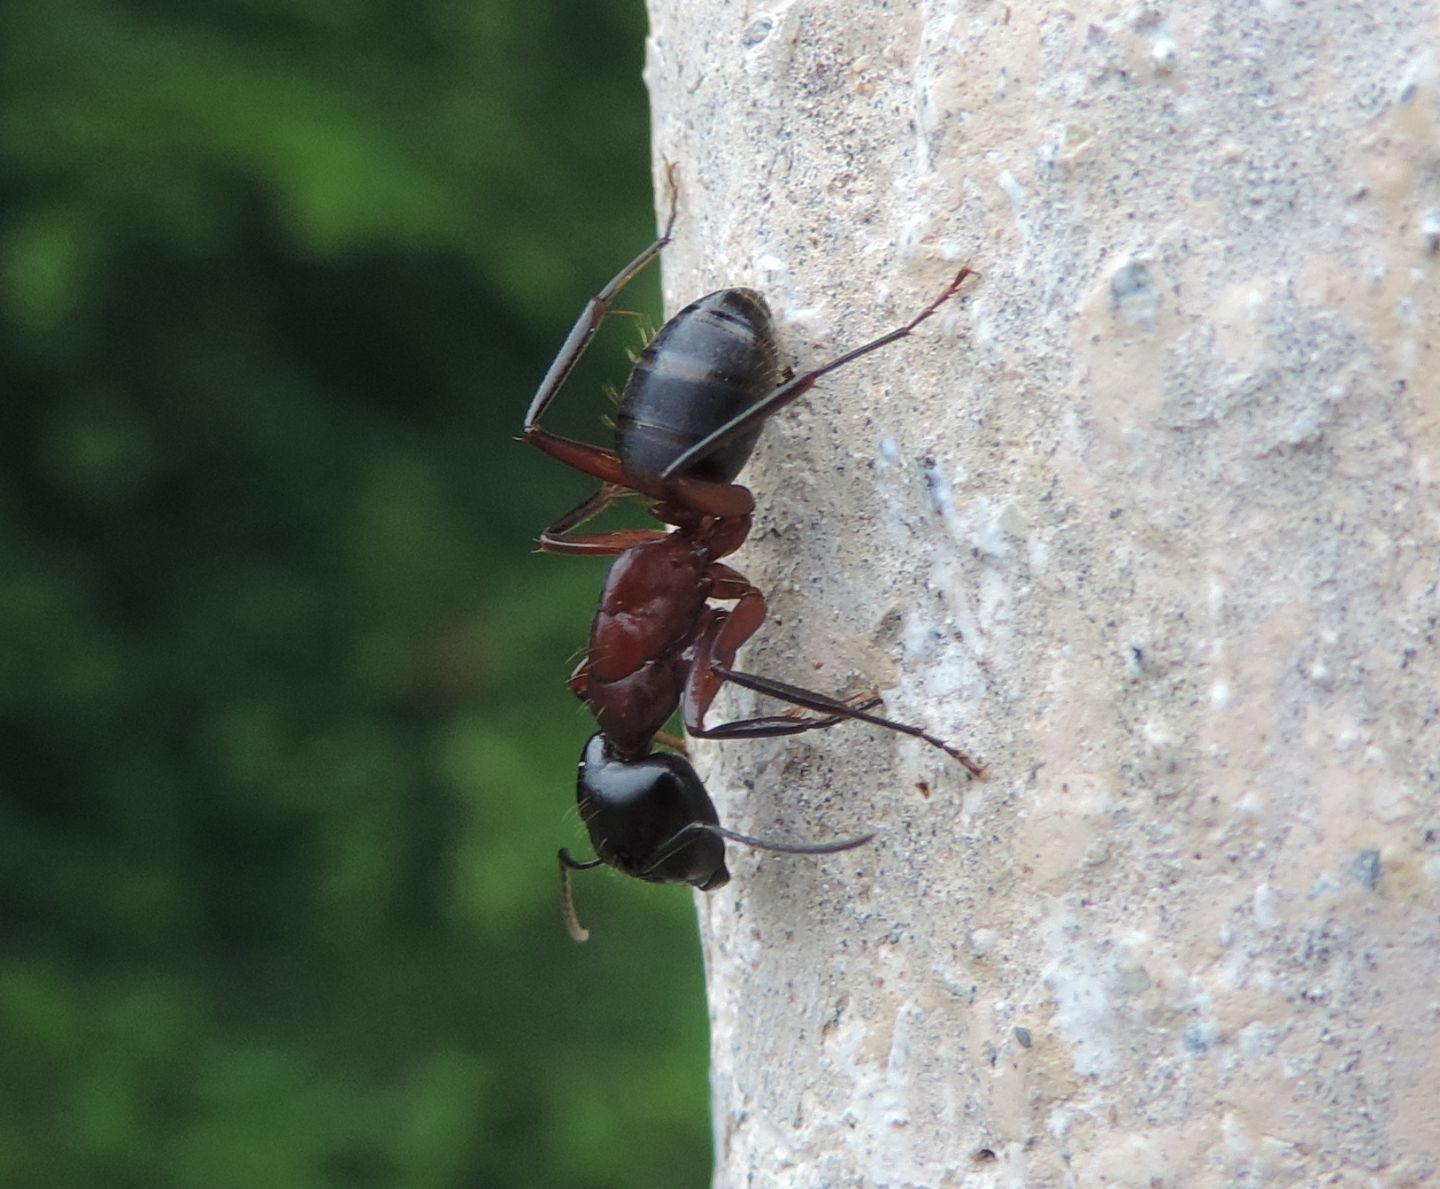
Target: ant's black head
651,817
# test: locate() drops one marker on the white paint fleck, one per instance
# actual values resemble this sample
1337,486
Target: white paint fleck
1392,802
1264,903
1422,72
1058,1124
1255,1040
982,941
1220,694
912,236
769,269
1217,599
1430,231
1134,297
941,493
1085,1015
987,534
1013,189
1163,54
1251,804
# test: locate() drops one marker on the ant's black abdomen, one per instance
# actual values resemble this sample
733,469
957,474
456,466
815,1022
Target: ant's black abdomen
713,360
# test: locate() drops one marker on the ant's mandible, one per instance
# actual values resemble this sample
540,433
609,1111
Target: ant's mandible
687,421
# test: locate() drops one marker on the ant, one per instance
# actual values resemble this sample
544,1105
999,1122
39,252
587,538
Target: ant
688,419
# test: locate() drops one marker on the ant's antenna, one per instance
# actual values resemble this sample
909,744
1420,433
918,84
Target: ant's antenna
568,863
682,837
673,846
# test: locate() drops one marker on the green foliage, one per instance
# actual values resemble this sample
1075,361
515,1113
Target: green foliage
287,745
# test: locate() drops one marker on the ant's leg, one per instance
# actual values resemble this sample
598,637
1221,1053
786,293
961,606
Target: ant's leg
833,706
795,387
719,639
602,464
728,584
714,652
673,742
599,544
792,722
725,534
560,537
720,635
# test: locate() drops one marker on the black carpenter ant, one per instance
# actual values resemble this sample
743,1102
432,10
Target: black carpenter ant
687,421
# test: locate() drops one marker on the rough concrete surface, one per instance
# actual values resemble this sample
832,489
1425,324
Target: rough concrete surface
1148,521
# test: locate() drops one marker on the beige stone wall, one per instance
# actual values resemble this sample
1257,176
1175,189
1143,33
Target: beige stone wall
1148,521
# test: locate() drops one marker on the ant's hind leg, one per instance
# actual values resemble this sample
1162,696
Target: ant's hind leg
716,646
591,460
793,387
713,654
792,722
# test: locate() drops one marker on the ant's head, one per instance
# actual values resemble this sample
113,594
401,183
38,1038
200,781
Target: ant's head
651,817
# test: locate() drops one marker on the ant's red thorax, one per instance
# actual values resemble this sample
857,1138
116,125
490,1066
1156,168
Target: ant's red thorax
650,603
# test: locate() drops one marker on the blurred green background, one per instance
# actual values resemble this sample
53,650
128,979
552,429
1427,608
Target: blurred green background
286,749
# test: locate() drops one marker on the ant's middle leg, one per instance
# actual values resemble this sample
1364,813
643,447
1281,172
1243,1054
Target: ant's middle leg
727,531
